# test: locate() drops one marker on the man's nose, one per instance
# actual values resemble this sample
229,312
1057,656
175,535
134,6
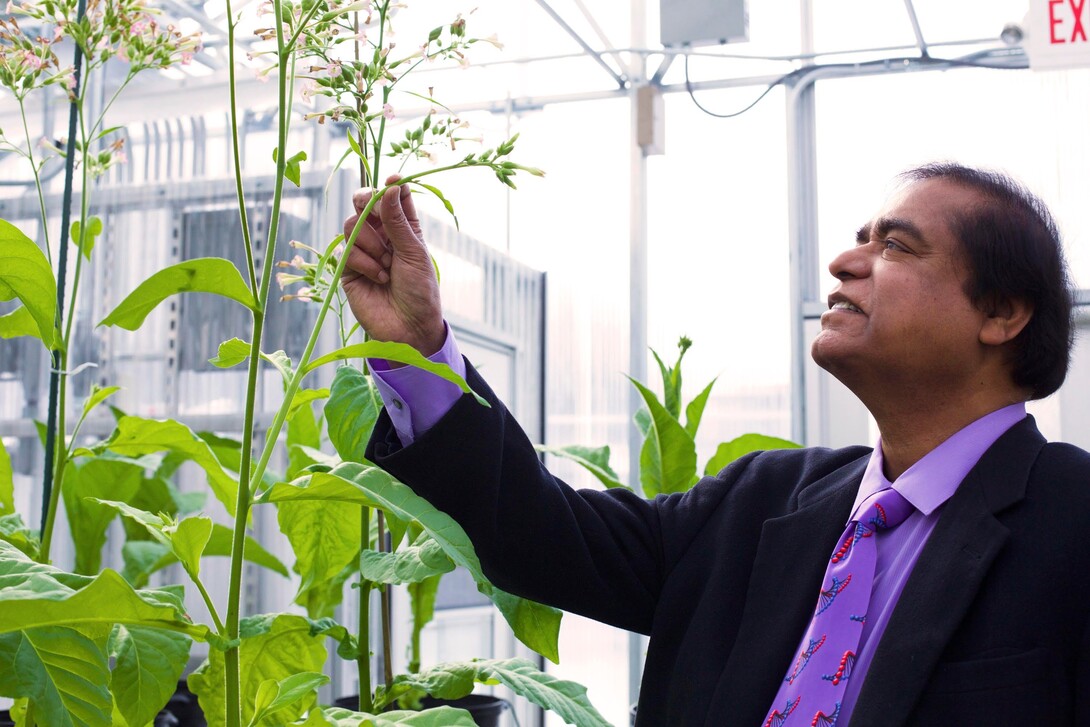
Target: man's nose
854,262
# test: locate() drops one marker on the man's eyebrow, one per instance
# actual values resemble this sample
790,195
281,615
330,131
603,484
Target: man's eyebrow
862,235
885,225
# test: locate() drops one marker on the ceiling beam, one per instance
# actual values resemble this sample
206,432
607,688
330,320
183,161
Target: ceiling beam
621,81
920,43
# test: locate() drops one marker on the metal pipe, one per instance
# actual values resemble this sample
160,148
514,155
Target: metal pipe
920,43
621,81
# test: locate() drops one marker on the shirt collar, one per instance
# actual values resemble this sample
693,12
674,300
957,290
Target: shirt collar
932,480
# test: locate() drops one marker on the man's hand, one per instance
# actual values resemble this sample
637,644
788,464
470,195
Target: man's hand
389,277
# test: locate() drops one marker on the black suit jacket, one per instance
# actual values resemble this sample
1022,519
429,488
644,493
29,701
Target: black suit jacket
992,628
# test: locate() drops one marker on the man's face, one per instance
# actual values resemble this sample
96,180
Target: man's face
899,316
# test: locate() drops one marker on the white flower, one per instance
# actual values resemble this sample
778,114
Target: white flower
388,111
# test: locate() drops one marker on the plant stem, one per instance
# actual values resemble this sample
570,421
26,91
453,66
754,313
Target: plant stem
273,432
84,209
37,182
238,543
384,595
53,465
264,283
363,659
208,602
235,146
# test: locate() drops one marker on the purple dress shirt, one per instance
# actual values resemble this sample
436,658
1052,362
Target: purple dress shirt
416,400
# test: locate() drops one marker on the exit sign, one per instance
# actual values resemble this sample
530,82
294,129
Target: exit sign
1058,34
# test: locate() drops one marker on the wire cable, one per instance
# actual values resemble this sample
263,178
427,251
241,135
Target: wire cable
926,60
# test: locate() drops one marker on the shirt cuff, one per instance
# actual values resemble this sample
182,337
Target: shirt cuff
416,399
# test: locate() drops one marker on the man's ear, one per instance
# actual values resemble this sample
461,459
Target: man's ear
1005,321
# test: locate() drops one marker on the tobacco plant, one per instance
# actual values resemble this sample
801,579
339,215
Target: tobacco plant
101,648
668,462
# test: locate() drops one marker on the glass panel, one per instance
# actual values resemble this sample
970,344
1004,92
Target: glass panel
1029,124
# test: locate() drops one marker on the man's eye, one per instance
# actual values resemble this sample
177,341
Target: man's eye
891,245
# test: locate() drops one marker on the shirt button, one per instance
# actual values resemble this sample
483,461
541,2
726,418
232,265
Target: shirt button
397,404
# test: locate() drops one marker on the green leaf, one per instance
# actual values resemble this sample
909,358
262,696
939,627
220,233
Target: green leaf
203,275
88,520
155,525
351,412
282,363
303,431
593,459
234,351
355,149
446,202
136,436
422,605
410,564
188,539
19,323
231,353
26,275
34,595
148,664
348,647
534,624
642,419
400,353
438,717
355,146
695,411
144,557
668,457
141,557
98,395
273,647
672,400
63,673
7,482
566,699
292,170
304,397
743,445
325,537
14,531
94,229
273,696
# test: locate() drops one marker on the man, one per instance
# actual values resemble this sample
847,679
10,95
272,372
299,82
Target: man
951,311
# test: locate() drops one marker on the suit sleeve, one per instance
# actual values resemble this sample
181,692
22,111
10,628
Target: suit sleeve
600,554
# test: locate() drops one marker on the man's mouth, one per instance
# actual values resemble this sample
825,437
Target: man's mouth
844,305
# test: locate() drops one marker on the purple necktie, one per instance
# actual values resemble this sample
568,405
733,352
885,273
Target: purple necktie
813,690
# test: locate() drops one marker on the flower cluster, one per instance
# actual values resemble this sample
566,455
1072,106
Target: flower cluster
359,87
316,283
124,29
28,62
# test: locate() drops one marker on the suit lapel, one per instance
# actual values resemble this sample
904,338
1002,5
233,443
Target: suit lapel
946,579
787,574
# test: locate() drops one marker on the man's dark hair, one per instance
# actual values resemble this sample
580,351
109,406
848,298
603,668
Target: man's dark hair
1012,247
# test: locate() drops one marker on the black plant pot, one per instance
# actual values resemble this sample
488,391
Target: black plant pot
5,719
485,710
182,710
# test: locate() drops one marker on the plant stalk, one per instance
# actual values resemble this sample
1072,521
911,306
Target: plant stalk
37,182
55,420
363,659
384,595
264,283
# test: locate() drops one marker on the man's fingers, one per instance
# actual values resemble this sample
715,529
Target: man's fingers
368,239
400,233
360,263
407,203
